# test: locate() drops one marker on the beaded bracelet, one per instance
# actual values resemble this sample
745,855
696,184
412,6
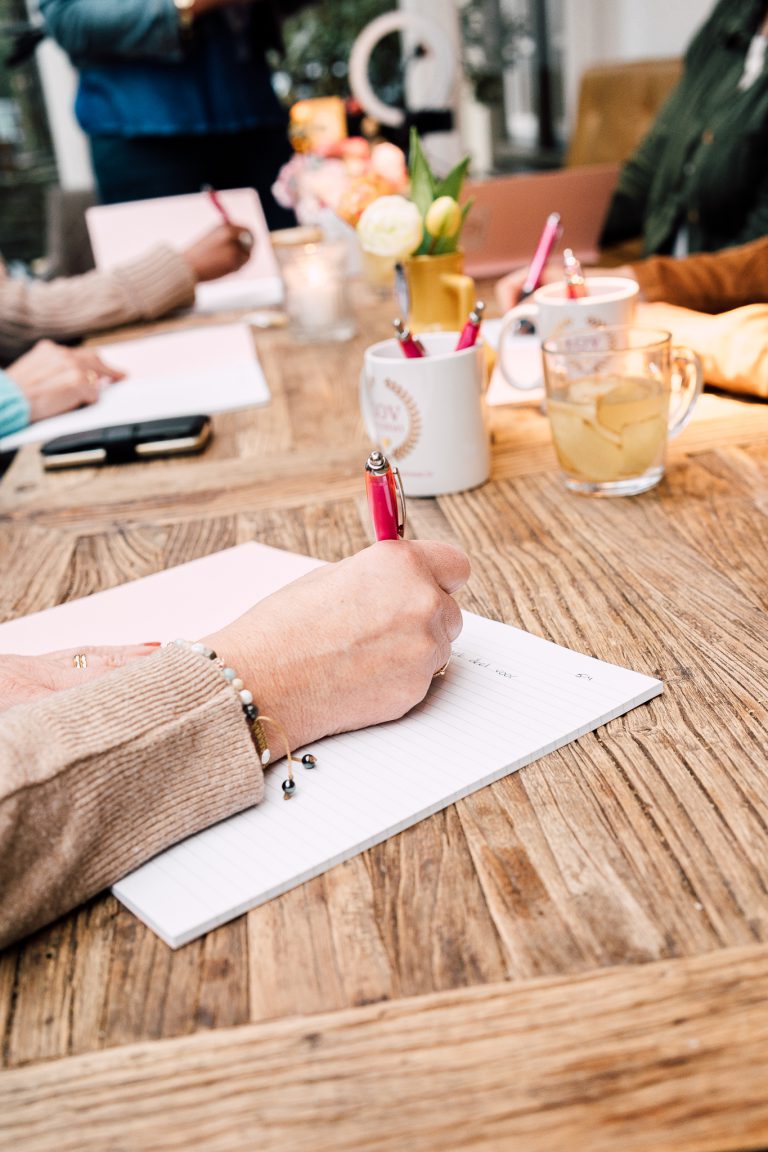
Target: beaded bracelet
251,712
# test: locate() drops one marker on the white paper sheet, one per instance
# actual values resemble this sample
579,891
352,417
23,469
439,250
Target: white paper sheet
120,232
208,369
506,699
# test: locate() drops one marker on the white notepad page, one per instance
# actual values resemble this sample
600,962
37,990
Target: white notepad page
506,699
121,232
197,370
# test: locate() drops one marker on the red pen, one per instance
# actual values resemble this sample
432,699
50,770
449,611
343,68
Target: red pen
549,236
386,499
471,329
575,285
244,237
412,348
215,199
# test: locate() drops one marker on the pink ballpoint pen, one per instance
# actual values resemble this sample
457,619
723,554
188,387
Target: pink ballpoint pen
471,329
412,348
386,499
575,285
543,251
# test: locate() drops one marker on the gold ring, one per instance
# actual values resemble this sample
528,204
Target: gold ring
91,375
80,661
441,671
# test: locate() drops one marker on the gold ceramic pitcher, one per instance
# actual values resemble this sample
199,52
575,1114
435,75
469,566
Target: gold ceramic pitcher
441,296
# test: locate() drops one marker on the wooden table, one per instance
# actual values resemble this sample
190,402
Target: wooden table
572,958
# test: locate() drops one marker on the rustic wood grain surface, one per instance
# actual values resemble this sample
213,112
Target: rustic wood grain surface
639,850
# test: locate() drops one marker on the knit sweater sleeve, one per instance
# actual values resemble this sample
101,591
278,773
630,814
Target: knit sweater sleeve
14,406
708,281
146,288
97,779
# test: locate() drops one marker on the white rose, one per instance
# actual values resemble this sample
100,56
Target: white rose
390,226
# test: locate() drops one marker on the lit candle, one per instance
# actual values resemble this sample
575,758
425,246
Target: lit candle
315,291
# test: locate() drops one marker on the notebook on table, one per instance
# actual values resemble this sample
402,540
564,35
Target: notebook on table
503,227
209,369
506,698
121,232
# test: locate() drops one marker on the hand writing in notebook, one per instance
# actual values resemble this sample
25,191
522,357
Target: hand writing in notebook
353,643
347,645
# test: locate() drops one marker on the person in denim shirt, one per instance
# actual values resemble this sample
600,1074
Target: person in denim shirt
176,98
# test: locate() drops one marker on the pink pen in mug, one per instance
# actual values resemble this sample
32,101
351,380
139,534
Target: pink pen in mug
575,284
386,499
471,329
412,348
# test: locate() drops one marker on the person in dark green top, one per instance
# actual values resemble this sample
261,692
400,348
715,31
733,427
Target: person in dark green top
698,182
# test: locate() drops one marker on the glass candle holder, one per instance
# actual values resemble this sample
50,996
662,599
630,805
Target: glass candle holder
316,297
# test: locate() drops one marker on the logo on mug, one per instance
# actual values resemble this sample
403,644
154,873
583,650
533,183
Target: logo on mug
398,421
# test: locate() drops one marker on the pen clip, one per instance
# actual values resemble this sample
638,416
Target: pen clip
400,501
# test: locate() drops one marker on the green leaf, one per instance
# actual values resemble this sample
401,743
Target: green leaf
451,184
422,181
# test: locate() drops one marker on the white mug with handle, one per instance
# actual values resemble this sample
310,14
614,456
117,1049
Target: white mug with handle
427,415
610,300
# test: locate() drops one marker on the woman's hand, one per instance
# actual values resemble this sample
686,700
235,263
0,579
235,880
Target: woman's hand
55,379
350,644
24,678
222,250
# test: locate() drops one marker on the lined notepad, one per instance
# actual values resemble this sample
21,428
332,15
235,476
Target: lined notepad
506,699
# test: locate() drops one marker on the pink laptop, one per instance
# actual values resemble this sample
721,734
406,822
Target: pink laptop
503,227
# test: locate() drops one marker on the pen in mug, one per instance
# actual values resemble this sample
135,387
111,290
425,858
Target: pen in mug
547,241
412,348
471,329
386,499
575,285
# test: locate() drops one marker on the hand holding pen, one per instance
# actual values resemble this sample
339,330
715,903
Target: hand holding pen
243,236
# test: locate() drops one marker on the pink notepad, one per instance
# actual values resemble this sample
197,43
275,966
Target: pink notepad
121,232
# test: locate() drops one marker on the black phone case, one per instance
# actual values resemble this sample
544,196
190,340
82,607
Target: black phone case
120,442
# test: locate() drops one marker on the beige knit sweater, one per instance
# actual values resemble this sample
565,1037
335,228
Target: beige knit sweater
158,282
96,780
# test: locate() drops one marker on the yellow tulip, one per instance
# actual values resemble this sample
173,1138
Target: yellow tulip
443,218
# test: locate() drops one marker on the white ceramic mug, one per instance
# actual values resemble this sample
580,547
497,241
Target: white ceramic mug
428,415
610,301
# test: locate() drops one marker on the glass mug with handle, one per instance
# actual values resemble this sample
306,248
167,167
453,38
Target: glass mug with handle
614,397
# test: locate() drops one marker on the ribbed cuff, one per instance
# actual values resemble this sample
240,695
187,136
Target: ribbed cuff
158,282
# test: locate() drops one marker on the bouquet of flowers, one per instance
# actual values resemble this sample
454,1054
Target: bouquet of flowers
345,179
427,222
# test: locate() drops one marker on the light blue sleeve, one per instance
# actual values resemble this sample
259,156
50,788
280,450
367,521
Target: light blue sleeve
92,30
14,408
